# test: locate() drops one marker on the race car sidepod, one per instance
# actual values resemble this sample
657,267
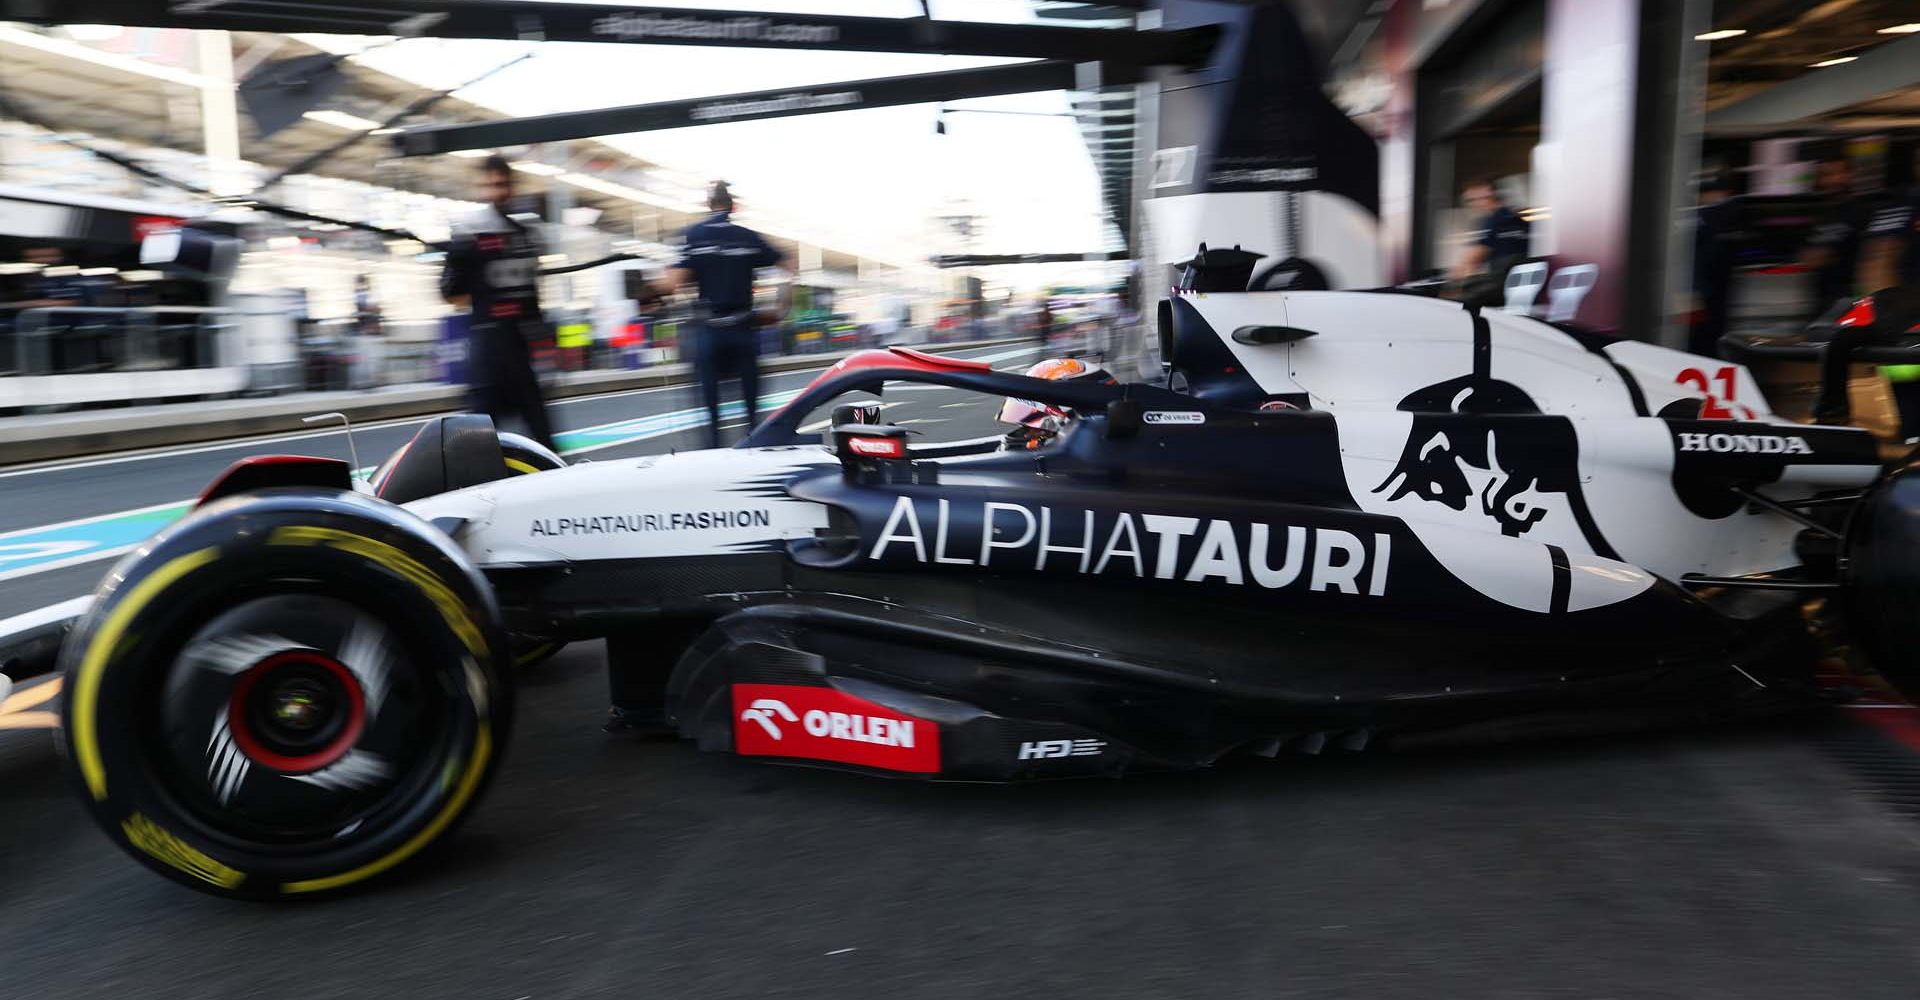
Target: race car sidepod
782,682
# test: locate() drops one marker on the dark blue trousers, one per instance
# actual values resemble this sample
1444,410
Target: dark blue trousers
727,352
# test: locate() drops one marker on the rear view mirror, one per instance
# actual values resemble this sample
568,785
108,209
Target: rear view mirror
1123,419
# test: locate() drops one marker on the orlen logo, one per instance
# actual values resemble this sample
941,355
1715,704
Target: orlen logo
817,723
874,447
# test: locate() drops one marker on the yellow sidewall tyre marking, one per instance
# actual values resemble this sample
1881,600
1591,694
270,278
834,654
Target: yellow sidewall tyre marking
521,468
469,782
86,685
405,566
537,654
163,846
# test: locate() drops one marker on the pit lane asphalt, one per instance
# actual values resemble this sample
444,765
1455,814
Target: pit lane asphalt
1738,863
1743,861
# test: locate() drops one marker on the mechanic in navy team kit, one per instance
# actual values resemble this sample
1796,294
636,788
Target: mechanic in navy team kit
1833,247
1715,228
720,257
493,268
1497,241
1890,254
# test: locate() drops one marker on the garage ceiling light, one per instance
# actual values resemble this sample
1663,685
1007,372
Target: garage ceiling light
340,119
1714,36
1833,62
537,169
471,154
1901,29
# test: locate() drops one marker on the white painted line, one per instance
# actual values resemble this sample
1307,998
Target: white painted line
727,424
84,521
46,616
170,451
94,555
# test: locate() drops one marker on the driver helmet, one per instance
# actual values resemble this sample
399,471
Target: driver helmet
1036,423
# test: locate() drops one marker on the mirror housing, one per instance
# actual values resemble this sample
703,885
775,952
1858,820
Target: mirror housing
1123,419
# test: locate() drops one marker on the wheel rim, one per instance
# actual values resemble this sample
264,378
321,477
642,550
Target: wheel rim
297,711
296,718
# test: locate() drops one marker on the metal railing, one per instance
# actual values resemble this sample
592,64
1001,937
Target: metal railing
58,340
63,357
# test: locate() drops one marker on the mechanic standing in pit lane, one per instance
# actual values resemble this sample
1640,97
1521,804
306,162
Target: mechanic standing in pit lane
720,257
1498,241
493,268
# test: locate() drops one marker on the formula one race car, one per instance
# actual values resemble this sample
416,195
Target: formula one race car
1369,517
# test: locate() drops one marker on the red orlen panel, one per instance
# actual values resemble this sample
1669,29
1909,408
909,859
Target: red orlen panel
817,723
877,447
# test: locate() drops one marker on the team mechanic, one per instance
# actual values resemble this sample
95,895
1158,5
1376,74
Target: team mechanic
720,257
493,269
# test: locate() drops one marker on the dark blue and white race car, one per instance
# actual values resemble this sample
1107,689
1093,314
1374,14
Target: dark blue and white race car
1362,517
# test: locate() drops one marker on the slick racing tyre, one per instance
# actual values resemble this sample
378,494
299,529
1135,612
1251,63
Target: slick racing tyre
524,457
288,694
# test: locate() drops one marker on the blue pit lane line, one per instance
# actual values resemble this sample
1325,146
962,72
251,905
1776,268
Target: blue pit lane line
69,543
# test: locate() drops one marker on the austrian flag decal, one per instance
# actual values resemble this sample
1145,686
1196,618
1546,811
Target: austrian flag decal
818,723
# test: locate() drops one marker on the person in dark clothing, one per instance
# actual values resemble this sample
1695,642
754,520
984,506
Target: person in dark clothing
493,268
1497,241
1833,248
720,257
1890,250
1713,260
366,308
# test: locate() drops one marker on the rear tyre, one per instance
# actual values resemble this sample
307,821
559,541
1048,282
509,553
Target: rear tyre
289,694
1881,582
524,457
451,453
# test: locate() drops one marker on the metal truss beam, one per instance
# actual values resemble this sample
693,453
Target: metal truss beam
633,23
920,88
